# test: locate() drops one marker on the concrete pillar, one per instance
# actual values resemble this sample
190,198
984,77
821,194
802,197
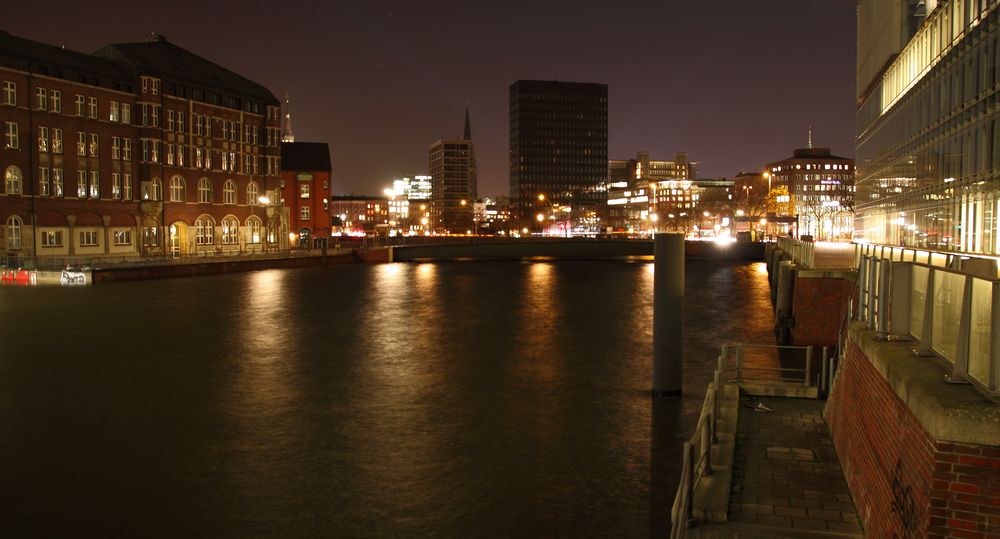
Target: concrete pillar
783,296
668,314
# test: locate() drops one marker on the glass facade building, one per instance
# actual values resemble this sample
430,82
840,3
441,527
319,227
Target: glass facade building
928,144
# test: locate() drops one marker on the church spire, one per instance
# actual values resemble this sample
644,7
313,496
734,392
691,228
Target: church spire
468,126
286,134
810,137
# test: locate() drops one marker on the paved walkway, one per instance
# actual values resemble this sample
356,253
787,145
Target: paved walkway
786,475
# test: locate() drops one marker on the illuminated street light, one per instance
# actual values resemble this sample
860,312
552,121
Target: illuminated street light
653,217
541,197
540,217
264,200
706,214
740,213
463,202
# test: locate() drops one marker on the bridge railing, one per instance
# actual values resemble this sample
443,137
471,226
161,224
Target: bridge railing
952,314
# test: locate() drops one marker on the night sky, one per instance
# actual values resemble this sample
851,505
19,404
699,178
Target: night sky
733,83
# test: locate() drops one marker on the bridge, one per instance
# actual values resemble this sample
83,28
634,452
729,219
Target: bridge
566,249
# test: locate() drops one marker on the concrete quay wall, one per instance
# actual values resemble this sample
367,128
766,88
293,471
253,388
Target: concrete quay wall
921,457
189,269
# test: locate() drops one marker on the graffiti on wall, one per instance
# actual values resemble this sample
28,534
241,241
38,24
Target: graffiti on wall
903,505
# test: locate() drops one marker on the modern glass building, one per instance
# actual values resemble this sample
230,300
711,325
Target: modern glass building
928,144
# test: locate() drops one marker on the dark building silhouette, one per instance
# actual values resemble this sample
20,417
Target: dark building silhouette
452,166
559,149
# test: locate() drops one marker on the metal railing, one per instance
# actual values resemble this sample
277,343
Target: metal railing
802,252
697,462
61,262
948,305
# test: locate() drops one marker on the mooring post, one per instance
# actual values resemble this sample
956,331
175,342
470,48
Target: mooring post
668,310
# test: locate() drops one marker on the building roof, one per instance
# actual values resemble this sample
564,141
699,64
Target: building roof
305,156
158,57
35,57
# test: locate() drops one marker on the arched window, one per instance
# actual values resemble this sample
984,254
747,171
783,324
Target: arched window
230,231
176,189
253,224
253,192
14,233
205,229
12,181
229,192
204,190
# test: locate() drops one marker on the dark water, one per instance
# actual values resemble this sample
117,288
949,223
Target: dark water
455,399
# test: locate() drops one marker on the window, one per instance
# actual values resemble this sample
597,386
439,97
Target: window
81,144
252,194
155,113
225,162
150,236
94,147
170,120
56,140
198,161
92,107
52,238
204,228
255,134
225,129
208,158
229,192
176,189
79,105
88,238
127,149
246,164
181,151
230,231
127,186
145,115
255,162
11,141
12,181
122,236
13,233
155,86
43,138
56,97
253,223
116,185
304,190
170,154
304,212
114,113
126,113
154,151
116,148
196,124
152,190
208,126
95,184
57,182
9,93
41,99
180,122
246,134
43,181
204,190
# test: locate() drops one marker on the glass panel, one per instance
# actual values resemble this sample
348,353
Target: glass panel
979,336
917,300
939,260
948,288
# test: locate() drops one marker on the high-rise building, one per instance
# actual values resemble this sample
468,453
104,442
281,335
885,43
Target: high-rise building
928,142
452,167
559,151
139,150
641,189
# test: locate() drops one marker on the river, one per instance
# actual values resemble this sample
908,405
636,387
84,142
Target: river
435,399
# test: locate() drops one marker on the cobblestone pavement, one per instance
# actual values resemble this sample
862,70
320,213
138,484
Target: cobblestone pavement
785,471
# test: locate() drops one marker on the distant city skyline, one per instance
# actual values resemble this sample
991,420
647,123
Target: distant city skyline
382,81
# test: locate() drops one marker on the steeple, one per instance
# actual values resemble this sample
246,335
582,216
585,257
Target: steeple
810,137
468,126
286,134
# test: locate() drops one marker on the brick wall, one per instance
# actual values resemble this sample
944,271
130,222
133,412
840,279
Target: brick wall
818,306
904,483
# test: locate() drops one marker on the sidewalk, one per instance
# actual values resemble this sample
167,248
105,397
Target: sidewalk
787,480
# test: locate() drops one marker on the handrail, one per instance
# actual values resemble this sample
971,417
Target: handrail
950,307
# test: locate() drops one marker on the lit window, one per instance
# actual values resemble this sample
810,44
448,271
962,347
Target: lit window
14,233
304,190
230,231
11,140
57,182
176,189
122,237
43,181
253,223
204,190
12,181
229,192
43,138
252,193
114,113
57,140
88,238
95,184
94,147
52,238
205,231
304,212
127,186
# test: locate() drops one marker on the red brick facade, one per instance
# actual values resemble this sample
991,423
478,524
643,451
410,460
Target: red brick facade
818,309
904,483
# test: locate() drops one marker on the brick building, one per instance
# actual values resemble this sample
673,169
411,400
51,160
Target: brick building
305,183
139,150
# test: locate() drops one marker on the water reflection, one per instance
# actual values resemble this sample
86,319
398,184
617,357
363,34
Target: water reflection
538,326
